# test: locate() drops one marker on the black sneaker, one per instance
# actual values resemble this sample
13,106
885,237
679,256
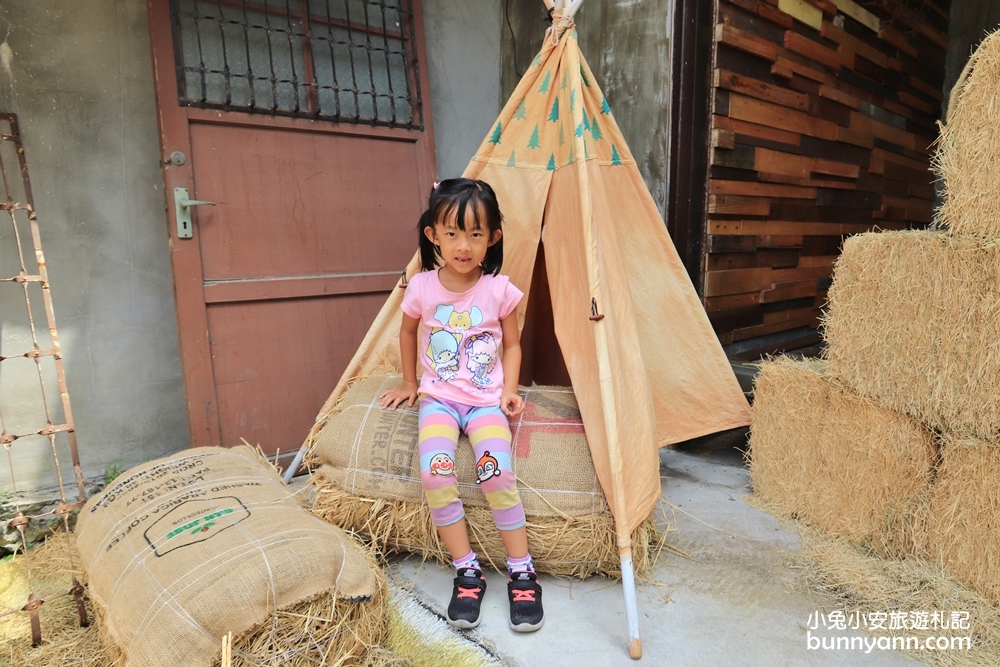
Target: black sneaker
466,597
525,595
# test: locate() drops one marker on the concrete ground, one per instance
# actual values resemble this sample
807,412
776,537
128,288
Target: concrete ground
734,601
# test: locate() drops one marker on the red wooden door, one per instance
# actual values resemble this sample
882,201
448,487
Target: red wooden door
302,121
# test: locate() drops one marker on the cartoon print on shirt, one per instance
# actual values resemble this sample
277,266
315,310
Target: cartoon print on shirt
486,467
442,349
481,357
455,321
442,464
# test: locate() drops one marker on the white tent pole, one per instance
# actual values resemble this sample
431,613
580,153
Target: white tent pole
631,605
622,533
571,7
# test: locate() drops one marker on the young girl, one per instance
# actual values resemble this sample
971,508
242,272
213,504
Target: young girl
458,315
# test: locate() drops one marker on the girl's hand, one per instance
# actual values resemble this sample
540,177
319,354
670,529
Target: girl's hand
394,397
511,404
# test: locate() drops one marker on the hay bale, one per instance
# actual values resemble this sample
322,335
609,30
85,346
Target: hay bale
968,155
913,322
961,532
835,460
182,550
861,582
366,476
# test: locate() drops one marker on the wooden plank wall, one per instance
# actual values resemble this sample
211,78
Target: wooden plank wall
823,112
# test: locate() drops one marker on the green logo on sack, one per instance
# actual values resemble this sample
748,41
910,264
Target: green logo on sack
199,525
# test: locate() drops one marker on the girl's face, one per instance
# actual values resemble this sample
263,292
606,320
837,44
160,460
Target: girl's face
462,250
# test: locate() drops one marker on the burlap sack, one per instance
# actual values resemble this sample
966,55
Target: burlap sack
372,452
184,549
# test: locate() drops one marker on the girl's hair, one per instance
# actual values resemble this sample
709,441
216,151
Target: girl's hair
457,195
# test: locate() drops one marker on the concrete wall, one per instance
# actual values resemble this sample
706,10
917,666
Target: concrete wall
627,45
463,50
971,20
79,77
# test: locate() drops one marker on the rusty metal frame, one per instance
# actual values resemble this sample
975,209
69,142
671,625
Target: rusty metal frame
305,36
37,353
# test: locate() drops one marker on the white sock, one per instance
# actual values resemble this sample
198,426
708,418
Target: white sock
470,560
519,565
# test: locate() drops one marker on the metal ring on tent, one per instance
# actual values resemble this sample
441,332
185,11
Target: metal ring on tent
403,282
594,315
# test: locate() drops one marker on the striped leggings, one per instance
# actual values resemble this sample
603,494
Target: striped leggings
489,433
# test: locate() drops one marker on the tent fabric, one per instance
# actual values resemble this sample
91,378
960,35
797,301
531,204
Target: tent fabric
643,360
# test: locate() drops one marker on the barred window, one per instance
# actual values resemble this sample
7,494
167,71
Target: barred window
342,60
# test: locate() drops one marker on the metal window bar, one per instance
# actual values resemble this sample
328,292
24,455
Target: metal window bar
340,60
19,206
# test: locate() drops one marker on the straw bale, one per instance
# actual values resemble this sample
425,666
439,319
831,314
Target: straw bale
961,532
968,154
913,323
560,545
835,460
862,582
53,565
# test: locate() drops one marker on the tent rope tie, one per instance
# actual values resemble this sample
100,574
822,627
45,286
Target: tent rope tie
594,314
560,24
403,282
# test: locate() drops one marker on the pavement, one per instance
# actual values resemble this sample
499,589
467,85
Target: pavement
734,599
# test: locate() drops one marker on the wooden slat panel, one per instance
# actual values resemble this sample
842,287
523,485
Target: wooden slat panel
784,291
763,91
773,115
784,228
803,11
860,47
744,41
755,130
735,205
718,283
760,190
831,93
859,14
804,46
731,301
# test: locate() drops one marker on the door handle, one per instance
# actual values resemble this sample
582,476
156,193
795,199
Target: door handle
182,211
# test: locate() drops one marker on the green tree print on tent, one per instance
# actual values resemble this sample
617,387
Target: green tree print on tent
545,83
583,74
586,121
615,158
595,131
565,82
551,166
522,111
534,142
512,162
495,139
605,109
570,155
554,114
562,136
572,100
579,130
537,61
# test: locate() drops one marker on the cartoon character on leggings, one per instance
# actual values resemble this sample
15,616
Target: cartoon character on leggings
481,357
486,467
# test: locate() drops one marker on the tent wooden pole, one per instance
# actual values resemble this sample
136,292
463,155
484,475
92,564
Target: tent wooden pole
624,537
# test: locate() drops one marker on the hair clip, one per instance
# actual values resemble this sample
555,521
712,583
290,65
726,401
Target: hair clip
436,184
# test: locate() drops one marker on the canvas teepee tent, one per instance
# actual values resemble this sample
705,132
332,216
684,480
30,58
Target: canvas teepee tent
585,242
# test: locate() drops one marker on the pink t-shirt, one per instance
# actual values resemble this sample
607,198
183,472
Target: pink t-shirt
459,339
